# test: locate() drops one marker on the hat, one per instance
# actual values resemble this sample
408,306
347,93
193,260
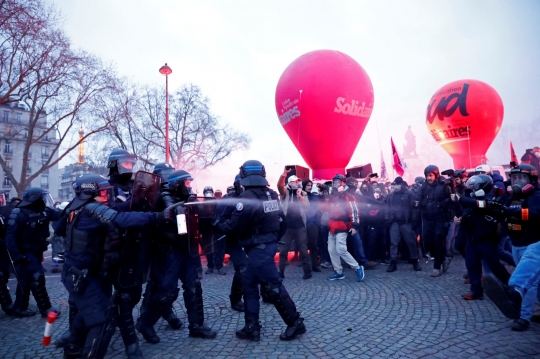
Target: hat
292,179
398,181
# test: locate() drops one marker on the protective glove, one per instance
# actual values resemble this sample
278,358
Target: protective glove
166,215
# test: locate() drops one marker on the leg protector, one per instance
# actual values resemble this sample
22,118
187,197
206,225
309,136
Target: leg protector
171,318
284,304
125,322
237,292
98,339
194,306
5,297
266,297
39,291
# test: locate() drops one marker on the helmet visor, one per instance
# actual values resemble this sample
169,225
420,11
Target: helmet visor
47,198
519,179
127,165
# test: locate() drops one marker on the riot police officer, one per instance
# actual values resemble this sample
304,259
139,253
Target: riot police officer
26,239
5,297
122,165
90,228
180,263
522,214
481,225
160,265
256,223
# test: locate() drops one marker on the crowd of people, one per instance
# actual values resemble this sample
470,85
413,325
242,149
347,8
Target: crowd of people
117,230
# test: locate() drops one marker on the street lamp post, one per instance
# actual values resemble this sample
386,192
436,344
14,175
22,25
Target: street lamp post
166,70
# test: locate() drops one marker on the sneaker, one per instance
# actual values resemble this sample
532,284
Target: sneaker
326,265
520,325
336,275
360,273
506,298
307,275
316,269
416,266
436,273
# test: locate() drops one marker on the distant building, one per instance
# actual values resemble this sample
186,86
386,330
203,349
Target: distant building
14,125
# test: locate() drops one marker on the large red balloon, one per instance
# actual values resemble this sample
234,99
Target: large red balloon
464,117
324,100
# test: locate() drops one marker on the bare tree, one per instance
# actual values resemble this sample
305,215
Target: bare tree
64,91
197,139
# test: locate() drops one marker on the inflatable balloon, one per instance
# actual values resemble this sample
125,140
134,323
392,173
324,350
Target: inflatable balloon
324,100
464,117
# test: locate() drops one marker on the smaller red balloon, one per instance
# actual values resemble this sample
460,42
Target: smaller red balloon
464,117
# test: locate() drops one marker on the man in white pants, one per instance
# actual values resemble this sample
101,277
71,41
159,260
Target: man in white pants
343,219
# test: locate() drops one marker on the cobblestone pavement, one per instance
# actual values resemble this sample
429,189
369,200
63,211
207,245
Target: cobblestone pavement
390,315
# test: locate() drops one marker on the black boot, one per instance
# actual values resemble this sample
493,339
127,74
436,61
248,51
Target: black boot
295,329
392,267
201,331
148,332
172,319
237,292
416,266
19,313
133,351
250,331
41,296
72,351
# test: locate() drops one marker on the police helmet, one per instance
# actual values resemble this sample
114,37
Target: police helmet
480,182
89,186
163,170
253,174
121,162
34,194
432,169
529,170
351,182
338,178
177,182
231,190
483,170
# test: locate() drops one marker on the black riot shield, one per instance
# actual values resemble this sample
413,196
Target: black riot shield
135,259
200,213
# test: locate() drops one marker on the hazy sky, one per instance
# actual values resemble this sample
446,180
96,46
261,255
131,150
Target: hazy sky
236,51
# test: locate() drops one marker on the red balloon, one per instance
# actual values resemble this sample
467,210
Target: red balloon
324,100
464,117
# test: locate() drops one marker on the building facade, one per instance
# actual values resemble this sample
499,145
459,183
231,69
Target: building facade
14,124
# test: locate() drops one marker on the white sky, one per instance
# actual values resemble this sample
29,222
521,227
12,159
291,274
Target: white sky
236,51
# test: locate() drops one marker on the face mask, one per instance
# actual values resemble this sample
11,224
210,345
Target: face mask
479,193
376,195
293,185
397,187
336,184
208,194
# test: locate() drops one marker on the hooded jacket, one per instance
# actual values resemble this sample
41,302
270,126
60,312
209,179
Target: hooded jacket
343,212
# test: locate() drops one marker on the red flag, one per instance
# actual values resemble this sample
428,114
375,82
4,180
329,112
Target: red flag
396,161
513,157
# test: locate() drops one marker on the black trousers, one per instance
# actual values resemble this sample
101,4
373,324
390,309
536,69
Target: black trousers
434,235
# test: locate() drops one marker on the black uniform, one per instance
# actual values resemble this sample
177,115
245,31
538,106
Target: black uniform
5,297
26,239
256,223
